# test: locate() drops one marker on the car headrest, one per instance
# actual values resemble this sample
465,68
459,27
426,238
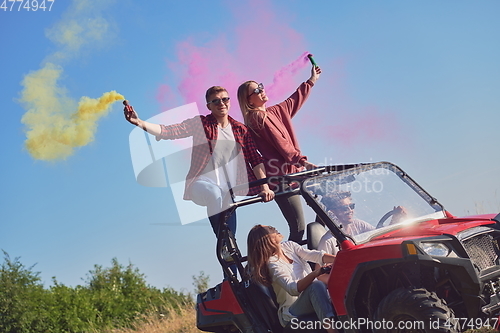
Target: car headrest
315,230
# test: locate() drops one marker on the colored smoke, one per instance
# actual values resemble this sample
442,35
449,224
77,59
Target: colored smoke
276,61
262,46
283,82
55,123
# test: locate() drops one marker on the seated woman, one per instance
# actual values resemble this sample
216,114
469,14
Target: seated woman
284,266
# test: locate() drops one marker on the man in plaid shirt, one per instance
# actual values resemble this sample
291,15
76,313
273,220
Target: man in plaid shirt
224,155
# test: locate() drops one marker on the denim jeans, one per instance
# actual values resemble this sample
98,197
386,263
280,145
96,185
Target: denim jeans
314,299
207,194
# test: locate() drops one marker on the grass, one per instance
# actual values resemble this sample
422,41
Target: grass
181,320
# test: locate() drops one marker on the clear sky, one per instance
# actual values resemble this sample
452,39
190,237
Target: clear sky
416,83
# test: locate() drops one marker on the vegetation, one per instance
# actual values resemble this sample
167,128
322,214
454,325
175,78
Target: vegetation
114,299
182,321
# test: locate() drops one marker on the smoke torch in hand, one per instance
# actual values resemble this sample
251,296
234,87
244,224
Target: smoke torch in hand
130,114
310,56
315,70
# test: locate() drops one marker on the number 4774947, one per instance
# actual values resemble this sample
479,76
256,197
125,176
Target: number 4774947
463,324
26,5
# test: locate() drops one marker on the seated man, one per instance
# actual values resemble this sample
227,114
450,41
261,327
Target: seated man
340,208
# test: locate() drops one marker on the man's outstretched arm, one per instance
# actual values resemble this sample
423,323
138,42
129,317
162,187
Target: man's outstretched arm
132,117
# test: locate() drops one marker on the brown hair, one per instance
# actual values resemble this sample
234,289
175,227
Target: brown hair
332,200
250,115
213,90
260,249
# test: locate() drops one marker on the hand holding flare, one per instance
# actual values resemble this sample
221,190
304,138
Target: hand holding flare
310,56
130,113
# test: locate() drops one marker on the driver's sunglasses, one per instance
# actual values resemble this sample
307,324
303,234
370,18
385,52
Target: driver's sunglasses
258,90
345,208
218,101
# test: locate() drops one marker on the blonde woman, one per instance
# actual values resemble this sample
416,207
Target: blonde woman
284,267
273,132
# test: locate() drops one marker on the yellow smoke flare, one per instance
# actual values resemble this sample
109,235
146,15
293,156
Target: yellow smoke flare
53,130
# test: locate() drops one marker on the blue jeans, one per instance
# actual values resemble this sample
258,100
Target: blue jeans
207,194
314,299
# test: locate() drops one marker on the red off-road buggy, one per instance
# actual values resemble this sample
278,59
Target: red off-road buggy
428,272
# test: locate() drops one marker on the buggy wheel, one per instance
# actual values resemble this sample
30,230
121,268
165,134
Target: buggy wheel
227,330
413,311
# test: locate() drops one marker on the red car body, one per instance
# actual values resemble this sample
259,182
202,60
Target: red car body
425,267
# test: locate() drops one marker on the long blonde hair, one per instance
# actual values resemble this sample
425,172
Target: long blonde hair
260,248
247,110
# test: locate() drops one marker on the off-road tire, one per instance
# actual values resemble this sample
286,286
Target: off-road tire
227,330
425,309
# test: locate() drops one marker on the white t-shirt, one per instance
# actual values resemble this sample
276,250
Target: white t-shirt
221,170
285,275
328,243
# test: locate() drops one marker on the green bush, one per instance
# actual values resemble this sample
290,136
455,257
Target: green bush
72,309
23,300
114,297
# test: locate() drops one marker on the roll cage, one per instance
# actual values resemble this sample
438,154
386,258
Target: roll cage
301,182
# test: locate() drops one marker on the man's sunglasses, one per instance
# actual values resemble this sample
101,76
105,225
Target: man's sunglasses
258,90
345,208
218,101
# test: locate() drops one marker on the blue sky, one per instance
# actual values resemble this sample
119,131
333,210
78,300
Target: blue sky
412,82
